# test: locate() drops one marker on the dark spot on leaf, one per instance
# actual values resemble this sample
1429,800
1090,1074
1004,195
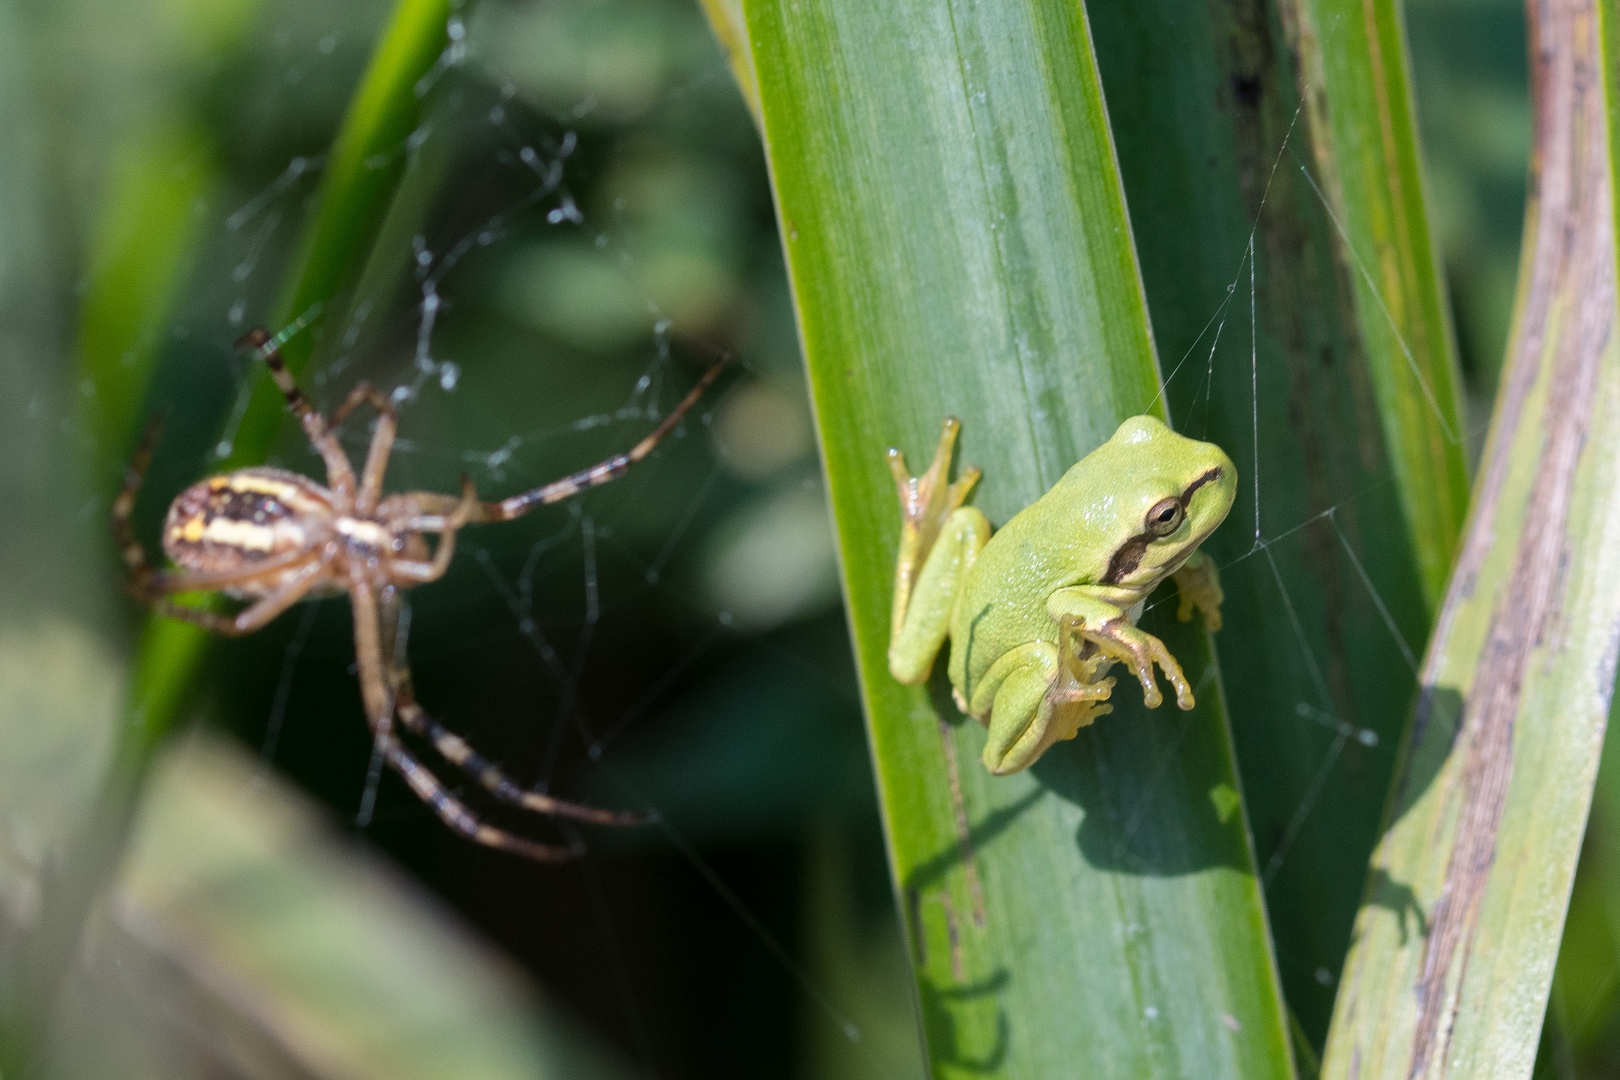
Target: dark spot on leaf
1247,89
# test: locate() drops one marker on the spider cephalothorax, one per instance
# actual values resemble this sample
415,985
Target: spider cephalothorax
274,537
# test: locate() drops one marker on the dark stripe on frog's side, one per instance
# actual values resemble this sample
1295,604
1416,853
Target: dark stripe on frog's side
1129,555
1127,558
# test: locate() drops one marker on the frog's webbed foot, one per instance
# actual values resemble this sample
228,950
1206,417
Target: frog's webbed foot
1198,585
1075,705
925,502
1139,650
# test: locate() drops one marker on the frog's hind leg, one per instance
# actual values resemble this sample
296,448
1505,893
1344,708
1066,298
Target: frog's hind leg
919,632
926,502
1029,700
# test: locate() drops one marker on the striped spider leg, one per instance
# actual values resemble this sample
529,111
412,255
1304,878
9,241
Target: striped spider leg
274,537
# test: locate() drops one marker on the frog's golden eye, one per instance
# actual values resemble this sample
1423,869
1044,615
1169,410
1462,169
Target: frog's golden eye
1165,517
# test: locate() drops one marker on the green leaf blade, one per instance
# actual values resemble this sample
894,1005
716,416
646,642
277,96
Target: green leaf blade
147,233
957,241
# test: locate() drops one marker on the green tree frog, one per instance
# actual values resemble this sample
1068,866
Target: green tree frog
1039,611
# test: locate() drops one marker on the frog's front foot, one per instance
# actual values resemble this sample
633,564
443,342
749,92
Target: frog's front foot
1140,650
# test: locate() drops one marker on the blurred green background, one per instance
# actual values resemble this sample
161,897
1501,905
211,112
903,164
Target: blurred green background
596,227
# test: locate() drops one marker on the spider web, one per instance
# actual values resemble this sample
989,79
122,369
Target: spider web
583,228
581,259
591,237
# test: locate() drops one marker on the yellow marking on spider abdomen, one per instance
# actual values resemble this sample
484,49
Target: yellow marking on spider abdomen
259,485
244,536
237,520
249,536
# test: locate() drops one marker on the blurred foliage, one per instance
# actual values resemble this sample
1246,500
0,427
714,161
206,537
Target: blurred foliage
1473,98
716,675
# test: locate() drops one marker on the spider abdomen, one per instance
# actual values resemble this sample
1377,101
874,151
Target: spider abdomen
245,518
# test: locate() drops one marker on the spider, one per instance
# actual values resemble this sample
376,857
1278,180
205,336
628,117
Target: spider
274,537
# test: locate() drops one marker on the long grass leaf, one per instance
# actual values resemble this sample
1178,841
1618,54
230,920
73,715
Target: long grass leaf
1456,941
958,243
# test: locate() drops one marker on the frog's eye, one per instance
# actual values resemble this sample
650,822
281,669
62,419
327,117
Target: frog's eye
1165,517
